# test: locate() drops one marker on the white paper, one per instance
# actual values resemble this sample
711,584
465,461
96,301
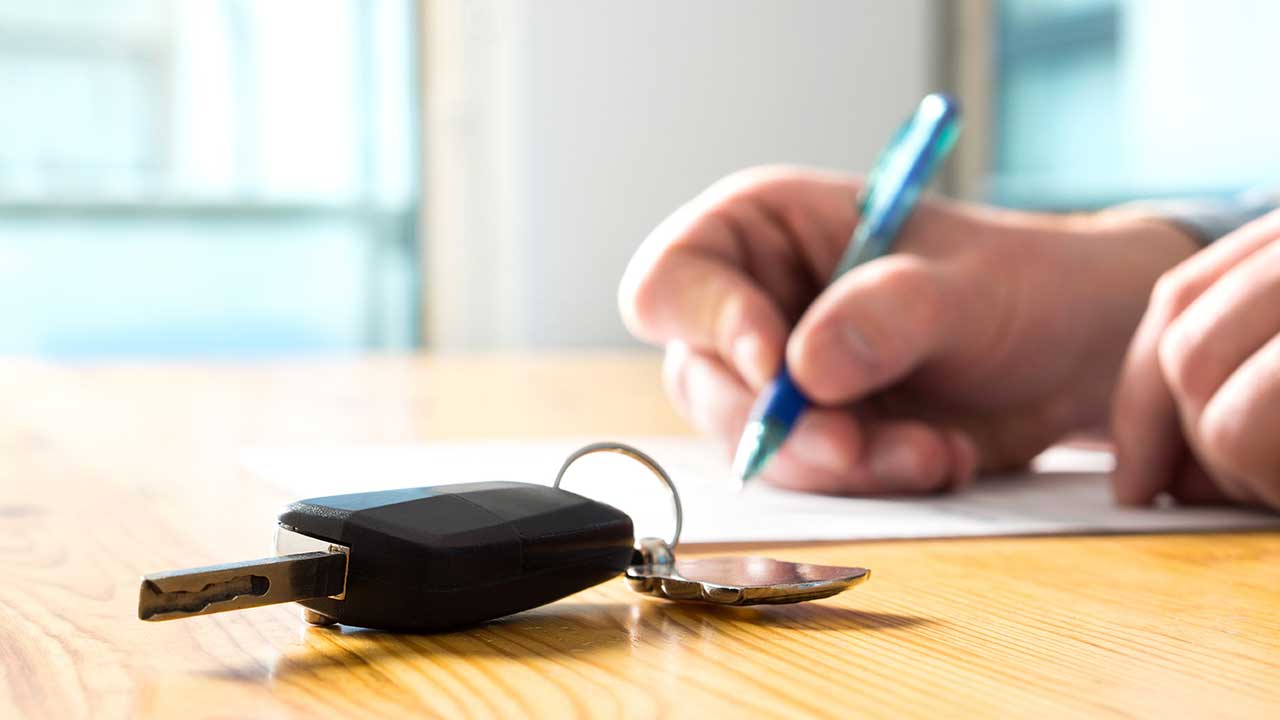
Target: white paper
1067,493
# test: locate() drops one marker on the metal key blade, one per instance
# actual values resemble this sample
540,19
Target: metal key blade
234,586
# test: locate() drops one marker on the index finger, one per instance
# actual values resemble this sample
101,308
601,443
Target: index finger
730,271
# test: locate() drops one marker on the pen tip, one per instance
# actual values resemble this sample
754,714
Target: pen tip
754,451
746,462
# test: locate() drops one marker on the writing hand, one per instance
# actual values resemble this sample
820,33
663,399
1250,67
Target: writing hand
983,338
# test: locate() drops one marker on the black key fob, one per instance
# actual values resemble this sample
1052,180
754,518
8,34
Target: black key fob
440,558
437,558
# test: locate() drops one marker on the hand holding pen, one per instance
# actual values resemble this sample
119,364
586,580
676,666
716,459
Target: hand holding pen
983,337
891,193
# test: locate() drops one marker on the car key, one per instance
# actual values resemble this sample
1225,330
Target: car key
439,558
418,559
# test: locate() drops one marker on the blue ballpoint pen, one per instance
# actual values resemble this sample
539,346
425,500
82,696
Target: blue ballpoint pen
891,192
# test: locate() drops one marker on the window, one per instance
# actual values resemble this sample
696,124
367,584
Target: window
1101,101
207,177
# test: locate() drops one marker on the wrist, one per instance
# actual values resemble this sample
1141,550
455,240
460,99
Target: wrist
1118,255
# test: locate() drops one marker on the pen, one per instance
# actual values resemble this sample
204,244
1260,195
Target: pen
891,192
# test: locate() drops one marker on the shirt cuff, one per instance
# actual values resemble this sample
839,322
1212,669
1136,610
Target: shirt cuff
1208,220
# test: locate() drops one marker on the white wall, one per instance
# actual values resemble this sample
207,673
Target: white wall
559,132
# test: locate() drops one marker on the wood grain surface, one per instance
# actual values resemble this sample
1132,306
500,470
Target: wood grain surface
110,471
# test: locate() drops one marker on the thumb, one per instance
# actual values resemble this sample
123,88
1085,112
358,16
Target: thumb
870,328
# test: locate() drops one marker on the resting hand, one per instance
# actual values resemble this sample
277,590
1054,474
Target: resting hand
1197,411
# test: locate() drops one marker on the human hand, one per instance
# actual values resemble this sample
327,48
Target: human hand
983,338
1197,411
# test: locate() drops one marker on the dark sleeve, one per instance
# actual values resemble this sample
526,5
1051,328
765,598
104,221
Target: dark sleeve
1208,220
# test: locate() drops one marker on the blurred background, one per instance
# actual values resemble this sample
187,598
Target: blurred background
186,178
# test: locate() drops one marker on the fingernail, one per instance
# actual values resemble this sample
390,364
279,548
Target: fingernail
895,465
1124,491
857,346
972,461
816,446
839,349
750,361
1121,487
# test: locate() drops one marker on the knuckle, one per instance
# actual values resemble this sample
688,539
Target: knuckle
1173,292
630,308
637,301
639,297
914,281
903,271
655,290
746,181
1185,362
1225,442
675,364
730,312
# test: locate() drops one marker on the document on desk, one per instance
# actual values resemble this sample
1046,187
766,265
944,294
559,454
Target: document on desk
1066,492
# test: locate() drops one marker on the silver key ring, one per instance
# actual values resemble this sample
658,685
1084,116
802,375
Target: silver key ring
643,459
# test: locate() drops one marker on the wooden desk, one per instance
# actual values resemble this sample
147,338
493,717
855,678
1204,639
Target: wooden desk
107,472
